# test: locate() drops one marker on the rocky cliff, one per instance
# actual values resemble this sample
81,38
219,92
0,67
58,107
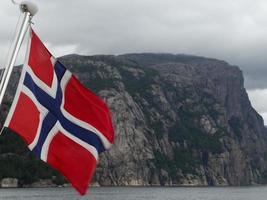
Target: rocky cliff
179,120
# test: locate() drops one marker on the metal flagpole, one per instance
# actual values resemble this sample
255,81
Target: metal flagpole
29,10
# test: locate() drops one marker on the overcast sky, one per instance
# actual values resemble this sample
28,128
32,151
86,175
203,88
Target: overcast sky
231,30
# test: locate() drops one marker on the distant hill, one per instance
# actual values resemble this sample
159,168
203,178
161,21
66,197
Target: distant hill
179,120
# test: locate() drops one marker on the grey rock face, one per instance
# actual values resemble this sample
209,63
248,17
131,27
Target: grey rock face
179,120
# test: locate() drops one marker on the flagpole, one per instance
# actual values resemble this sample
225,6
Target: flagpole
29,10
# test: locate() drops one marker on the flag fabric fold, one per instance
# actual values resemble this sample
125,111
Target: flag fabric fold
62,122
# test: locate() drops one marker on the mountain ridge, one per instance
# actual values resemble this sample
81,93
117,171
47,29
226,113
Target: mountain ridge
179,120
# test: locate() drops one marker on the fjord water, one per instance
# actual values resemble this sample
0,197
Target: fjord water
139,193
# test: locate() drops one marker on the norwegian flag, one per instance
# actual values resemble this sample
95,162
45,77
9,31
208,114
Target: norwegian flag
62,122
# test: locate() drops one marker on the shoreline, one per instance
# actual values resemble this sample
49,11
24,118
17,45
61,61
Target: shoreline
134,186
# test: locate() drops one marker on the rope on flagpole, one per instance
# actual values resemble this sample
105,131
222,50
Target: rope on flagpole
10,46
14,2
29,9
16,30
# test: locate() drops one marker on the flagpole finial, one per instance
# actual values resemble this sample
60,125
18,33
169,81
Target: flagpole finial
28,6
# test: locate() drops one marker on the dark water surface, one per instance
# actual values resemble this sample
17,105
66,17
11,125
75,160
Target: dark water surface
139,193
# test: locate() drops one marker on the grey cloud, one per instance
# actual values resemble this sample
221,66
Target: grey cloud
234,31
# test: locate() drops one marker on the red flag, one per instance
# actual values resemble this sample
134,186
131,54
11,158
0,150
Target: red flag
62,122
